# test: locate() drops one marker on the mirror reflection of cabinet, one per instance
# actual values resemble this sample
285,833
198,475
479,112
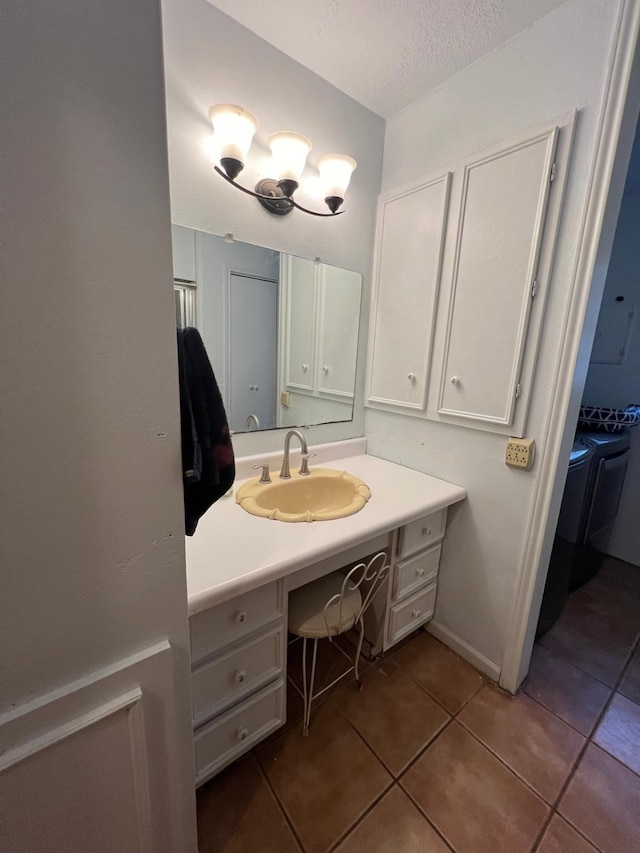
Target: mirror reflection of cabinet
319,314
256,307
338,315
297,333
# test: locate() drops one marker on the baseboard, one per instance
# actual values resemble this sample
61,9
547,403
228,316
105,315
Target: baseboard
463,649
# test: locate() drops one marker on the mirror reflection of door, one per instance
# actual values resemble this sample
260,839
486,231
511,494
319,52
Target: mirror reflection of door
253,315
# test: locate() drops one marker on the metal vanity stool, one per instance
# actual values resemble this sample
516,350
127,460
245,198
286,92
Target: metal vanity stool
329,606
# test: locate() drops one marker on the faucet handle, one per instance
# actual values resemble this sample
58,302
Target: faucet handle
264,478
304,468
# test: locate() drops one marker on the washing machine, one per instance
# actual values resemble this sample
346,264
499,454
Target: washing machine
569,549
611,457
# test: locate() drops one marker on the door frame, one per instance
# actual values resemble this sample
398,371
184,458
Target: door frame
619,116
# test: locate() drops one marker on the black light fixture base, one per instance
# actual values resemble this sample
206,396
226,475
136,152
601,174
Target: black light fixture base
232,166
276,202
333,202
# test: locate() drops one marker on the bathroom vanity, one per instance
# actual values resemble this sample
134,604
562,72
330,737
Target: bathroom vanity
240,569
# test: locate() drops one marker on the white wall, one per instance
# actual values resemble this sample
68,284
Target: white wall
209,59
92,548
619,384
555,66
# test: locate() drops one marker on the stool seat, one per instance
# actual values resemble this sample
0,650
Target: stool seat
329,606
308,616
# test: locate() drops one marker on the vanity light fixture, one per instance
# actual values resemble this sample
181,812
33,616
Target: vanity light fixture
233,130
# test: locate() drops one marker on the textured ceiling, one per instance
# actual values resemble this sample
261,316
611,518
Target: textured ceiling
386,53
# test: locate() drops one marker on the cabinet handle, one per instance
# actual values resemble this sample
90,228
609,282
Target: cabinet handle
239,675
420,572
416,614
455,380
241,616
426,531
242,734
325,368
411,377
305,366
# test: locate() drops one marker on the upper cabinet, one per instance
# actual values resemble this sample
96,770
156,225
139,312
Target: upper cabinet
500,226
493,250
320,311
407,267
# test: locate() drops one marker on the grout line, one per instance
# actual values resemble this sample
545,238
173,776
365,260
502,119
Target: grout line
424,814
505,764
280,805
365,813
582,669
572,772
523,689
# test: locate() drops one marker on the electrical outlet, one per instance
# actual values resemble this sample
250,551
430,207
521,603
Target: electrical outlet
520,453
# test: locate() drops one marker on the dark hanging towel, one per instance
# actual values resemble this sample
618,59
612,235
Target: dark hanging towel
207,455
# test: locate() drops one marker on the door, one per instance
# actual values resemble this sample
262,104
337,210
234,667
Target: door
253,317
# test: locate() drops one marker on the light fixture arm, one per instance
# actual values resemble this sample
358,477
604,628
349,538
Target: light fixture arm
275,204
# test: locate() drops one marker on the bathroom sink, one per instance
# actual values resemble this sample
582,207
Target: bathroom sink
322,495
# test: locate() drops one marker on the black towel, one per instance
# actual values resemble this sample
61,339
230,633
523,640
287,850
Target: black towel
207,455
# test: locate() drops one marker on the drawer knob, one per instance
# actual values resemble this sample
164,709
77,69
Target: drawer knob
239,675
242,734
426,531
420,572
241,616
416,614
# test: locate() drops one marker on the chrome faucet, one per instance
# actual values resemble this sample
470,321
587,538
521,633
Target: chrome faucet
285,473
252,419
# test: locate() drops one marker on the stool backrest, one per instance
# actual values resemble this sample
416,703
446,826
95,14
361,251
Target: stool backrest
368,578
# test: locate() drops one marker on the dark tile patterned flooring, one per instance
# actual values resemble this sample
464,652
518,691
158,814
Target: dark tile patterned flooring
431,757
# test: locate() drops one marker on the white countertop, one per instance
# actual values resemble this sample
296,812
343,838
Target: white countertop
232,551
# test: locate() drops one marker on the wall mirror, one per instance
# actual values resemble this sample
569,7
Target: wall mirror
281,331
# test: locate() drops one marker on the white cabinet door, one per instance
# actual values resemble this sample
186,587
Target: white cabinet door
406,280
299,290
338,330
502,215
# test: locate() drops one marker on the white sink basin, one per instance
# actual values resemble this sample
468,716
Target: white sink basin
322,495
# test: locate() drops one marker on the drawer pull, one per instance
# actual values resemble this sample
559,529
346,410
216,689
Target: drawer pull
239,676
416,614
426,531
242,734
241,616
420,572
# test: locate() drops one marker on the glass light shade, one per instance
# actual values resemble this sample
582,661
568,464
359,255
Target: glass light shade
233,130
335,173
289,152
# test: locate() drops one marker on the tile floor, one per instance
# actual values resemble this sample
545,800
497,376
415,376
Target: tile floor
430,757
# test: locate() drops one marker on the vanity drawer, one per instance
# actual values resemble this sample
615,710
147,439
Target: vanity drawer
415,572
406,617
223,681
227,622
230,735
421,533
